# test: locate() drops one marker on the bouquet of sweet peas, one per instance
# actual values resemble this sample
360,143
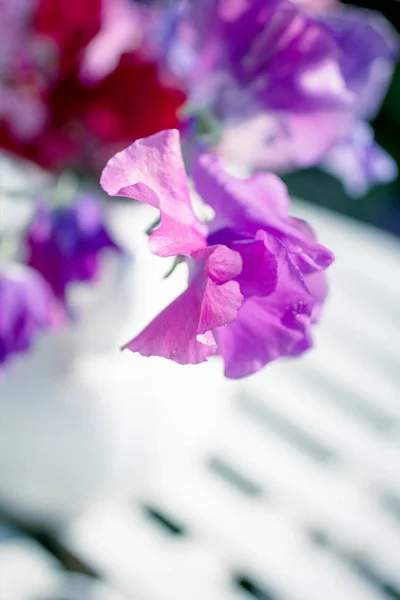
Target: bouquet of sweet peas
163,97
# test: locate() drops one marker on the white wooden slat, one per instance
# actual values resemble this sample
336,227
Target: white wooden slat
363,252
380,357
26,570
327,498
348,311
261,539
375,456
140,558
257,512
346,367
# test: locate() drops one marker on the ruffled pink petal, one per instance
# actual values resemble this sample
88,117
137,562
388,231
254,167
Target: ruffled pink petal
183,331
173,333
221,263
219,306
157,161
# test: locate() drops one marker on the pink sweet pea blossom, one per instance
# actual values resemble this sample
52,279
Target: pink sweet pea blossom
256,280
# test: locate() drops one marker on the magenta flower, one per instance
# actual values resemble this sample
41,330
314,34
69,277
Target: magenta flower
64,243
26,309
256,280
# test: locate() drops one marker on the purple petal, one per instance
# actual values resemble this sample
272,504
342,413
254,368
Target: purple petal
269,47
259,202
270,327
368,49
64,243
259,273
359,162
306,137
151,170
280,141
242,204
26,308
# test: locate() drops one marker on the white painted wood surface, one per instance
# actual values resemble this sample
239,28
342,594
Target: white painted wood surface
284,486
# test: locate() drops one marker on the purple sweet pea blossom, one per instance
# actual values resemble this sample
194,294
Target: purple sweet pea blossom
26,309
256,281
286,82
64,243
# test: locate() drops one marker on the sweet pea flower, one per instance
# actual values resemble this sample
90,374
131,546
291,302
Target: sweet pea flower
256,282
286,80
368,49
76,84
64,243
359,162
26,308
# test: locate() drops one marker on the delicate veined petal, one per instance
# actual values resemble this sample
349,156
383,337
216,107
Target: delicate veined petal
173,333
182,332
219,305
221,263
151,170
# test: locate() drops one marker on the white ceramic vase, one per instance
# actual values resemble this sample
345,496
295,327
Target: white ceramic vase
81,422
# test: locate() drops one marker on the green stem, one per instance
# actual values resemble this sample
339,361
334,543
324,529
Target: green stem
66,189
177,261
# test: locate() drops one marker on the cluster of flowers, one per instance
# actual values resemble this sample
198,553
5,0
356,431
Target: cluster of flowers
264,84
76,84
287,84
